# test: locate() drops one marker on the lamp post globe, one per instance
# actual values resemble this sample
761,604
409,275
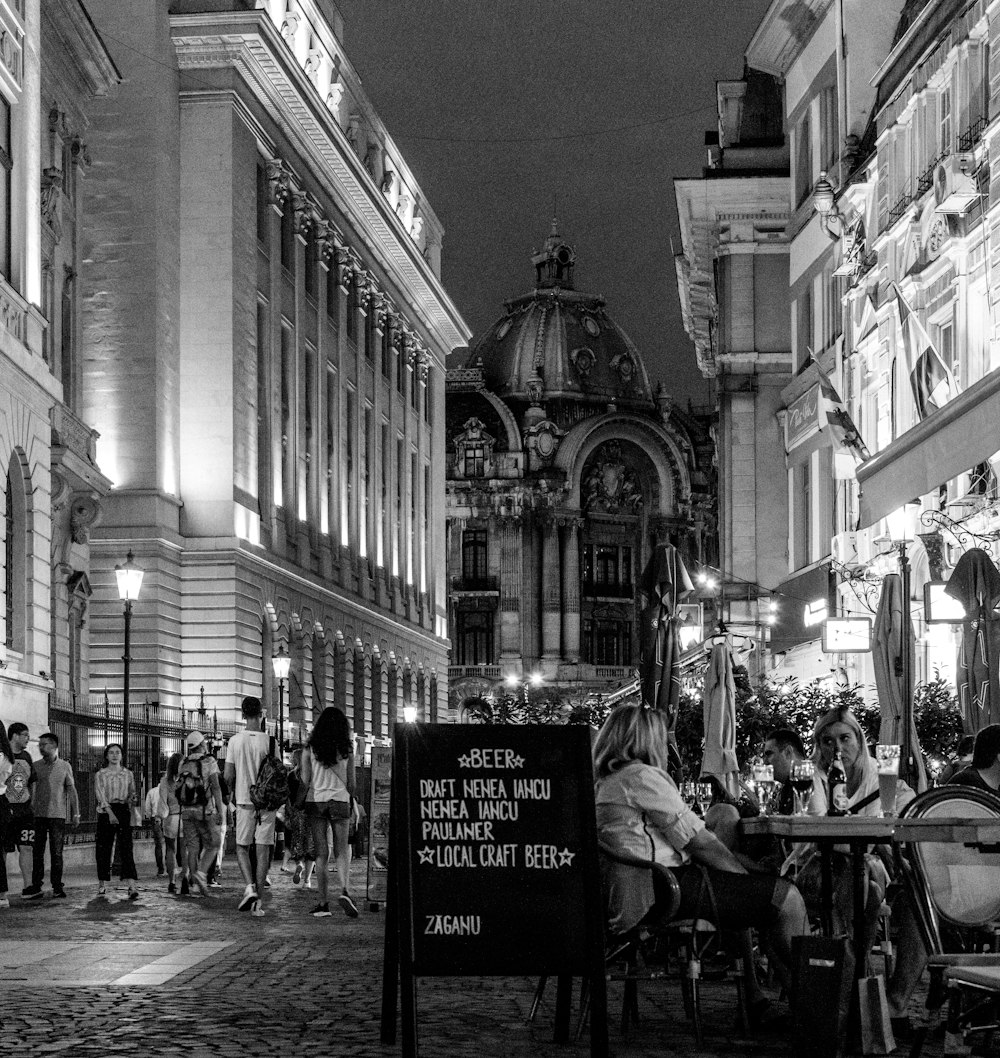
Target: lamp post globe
281,663
129,579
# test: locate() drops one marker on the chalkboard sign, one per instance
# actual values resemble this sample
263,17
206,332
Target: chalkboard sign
493,857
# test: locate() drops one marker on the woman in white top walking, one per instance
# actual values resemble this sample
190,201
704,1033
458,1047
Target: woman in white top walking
328,776
115,791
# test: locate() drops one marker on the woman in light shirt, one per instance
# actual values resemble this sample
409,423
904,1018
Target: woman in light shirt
328,775
114,789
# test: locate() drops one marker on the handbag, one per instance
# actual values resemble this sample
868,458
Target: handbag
135,815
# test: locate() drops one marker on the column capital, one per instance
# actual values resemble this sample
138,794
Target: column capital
279,179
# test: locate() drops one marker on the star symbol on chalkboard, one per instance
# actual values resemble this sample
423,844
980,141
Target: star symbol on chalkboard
566,858
426,854
464,762
517,762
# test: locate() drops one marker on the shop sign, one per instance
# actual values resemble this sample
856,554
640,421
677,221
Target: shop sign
802,418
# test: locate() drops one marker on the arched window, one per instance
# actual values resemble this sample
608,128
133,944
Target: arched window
15,565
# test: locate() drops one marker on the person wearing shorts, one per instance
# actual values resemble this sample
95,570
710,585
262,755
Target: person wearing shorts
254,828
328,776
20,835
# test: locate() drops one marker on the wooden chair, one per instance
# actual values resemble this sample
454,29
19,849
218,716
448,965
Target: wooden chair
955,894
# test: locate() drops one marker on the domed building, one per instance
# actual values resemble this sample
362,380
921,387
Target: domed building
564,471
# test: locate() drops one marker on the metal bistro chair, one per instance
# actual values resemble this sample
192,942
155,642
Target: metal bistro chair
955,891
625,958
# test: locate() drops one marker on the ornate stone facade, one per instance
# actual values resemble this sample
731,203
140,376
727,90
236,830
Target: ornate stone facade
564,470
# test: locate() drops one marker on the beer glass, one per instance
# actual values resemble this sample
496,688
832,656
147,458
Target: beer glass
887,758
763,782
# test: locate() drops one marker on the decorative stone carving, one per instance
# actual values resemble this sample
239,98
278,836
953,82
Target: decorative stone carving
289,27
388,182
313,63
333,98
583,359
279,182
609,485
10,55
417,227
354,134
51,194
542,442
12,316
403,205
329,238
345,267
371,154
79,153
305,215
83,515
624,365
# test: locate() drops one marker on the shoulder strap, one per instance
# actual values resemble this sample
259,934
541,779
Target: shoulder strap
864,802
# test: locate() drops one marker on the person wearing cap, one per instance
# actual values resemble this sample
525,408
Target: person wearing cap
984,771
200,798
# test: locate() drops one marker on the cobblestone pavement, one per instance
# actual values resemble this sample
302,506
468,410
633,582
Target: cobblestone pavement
169,976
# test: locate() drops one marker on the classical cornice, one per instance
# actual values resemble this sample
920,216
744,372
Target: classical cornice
249,42
81,42
784,31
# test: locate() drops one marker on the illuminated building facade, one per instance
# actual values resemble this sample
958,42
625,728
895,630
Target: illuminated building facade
266,333
564,471
53,67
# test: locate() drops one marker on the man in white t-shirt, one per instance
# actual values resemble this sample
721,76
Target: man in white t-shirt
244,753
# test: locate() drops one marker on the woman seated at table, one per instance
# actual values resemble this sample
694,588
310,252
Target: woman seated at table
836,730
640,813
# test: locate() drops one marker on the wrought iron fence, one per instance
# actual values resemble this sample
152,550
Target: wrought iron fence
85,727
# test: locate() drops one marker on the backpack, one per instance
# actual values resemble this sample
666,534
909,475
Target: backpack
191,789
269,791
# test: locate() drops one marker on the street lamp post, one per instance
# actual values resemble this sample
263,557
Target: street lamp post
281,663
129,577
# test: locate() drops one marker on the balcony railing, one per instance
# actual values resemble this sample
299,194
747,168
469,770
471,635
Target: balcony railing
925,181
973,134
475,584
902,204
593,590
486,672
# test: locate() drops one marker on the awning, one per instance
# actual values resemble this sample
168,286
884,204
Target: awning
966,431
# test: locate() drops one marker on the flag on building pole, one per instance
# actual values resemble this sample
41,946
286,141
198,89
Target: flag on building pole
931,379
838,415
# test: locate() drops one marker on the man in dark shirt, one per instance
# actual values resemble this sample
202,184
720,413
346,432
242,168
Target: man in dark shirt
984,772
783,748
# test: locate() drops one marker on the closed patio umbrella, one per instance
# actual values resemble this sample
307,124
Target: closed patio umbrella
665,584
894,687
975,584
720,720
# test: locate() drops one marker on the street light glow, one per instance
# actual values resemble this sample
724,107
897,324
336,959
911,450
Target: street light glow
129,578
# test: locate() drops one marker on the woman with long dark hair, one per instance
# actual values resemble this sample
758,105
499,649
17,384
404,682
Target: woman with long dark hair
6,815
328,774
115,792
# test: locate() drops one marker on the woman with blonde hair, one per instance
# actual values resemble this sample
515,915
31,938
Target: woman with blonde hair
641,814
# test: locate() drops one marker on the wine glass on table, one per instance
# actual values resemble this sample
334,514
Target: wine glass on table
763,780
703,791
801,777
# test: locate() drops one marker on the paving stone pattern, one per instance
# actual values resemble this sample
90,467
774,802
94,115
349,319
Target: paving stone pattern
215,981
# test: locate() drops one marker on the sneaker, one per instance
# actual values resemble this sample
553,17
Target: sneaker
202,882
133,893
256,910
58,894
33,892
185,887
215,884
160,873
285,870
321,911
4,902
248,897
345,901
297,876
171,888
102,890
267,881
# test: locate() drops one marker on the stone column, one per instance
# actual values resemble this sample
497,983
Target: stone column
571,591
551,591
511,566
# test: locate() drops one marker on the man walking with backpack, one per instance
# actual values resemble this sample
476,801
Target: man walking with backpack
200,797
247,750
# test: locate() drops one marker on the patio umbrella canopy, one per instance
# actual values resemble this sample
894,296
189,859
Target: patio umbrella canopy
665,584
895,689
975,584
720,720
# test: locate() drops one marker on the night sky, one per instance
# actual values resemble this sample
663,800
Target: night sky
500,106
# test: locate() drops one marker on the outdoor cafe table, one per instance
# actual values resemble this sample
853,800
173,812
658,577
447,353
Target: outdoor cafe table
858,832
